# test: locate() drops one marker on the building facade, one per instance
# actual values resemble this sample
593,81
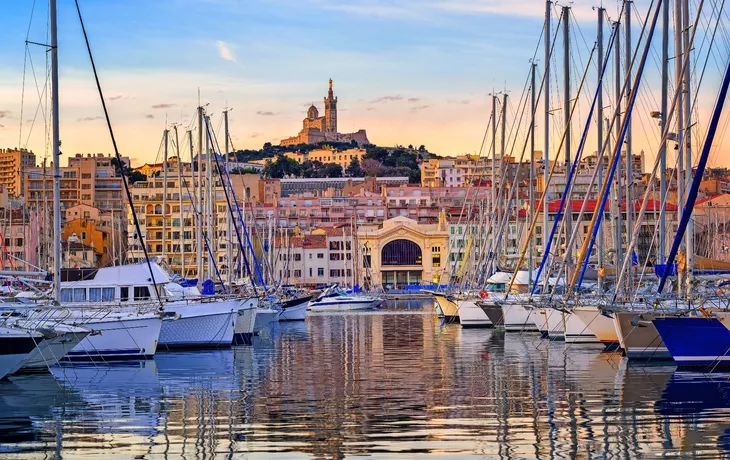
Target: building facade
13,164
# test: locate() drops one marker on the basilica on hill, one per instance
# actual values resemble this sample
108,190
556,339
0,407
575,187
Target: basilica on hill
317,129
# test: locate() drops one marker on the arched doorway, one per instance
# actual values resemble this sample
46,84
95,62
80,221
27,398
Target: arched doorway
401,264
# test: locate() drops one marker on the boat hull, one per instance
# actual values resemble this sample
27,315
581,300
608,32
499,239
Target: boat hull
555,320
696,342
14,351
123,338
51,351
446,308
294,310
245,322
641,341
493,312
471,315
200,324
518,318
335,304
600,325
576,331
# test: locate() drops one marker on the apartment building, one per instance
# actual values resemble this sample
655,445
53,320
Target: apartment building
90,179
13,164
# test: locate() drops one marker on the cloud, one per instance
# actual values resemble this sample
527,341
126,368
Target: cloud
418,108
370,109
414,99
163,106
115,98
89,118
224,51
462,102
266,113
2,126
254,135
4,113
149,115
397,97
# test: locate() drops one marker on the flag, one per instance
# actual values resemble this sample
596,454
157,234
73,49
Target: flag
634,258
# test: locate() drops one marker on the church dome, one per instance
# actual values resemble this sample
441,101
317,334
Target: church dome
312,113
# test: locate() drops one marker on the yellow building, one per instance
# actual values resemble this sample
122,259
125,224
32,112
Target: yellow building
88,234
13,164
342,158
402,252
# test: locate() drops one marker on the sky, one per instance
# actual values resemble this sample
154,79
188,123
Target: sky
407,71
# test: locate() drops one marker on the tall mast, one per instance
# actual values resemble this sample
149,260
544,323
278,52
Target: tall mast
228,214
56,143
678,58
199,211
546,152
533,106
663,149
599,119
211,204
616,205
629,173
180,198
504,213
164,196
495,219
689,236
566,112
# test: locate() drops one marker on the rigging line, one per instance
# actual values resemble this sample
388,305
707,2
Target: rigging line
116,152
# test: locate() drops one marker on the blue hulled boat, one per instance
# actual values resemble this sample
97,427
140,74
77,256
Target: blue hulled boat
696,341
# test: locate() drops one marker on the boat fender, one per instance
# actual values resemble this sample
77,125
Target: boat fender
483,294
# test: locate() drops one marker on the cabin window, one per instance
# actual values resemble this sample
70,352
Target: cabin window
124,293
141,293
107,294
95,294
67,295
79,295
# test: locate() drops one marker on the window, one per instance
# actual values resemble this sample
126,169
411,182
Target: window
297,273
79,294
107,294
436,260
86,175
94,294
7,241
320,255
320,272
310,272
124,293
18,241
366,262
85,186
297,258
310,256
83,235
141,293
66,295
436,249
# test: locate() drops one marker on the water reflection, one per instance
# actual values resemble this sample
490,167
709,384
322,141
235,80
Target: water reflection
399,384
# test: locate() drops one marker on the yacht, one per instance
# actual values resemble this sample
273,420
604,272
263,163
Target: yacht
335,299
246,321
294,309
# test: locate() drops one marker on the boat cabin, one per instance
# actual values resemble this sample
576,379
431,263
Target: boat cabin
124,283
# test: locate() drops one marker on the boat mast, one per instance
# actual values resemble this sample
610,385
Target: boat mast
229,217
533,107
546,152
164,196
629,174
210,204
566,120
616,205
56,144
680,117
494,176
599,126
663,147
689,236
503,205
199,211
180,198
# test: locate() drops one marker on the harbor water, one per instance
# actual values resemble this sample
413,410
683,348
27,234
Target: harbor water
392,383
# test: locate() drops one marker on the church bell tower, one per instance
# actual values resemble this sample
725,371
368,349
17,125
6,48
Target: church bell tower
330,111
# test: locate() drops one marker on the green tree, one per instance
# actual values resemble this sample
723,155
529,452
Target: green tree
354,169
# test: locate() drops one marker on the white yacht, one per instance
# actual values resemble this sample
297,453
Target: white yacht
294,309
335,299
246,321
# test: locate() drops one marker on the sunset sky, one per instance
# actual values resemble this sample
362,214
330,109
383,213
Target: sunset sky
408,71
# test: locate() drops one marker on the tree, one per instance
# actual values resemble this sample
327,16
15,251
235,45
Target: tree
281,167
136,176
354,169
422,148
332,170
246,170
370,167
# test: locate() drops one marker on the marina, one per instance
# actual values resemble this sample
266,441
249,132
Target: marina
400,383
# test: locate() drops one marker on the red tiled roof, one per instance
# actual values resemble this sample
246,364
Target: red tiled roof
705,200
